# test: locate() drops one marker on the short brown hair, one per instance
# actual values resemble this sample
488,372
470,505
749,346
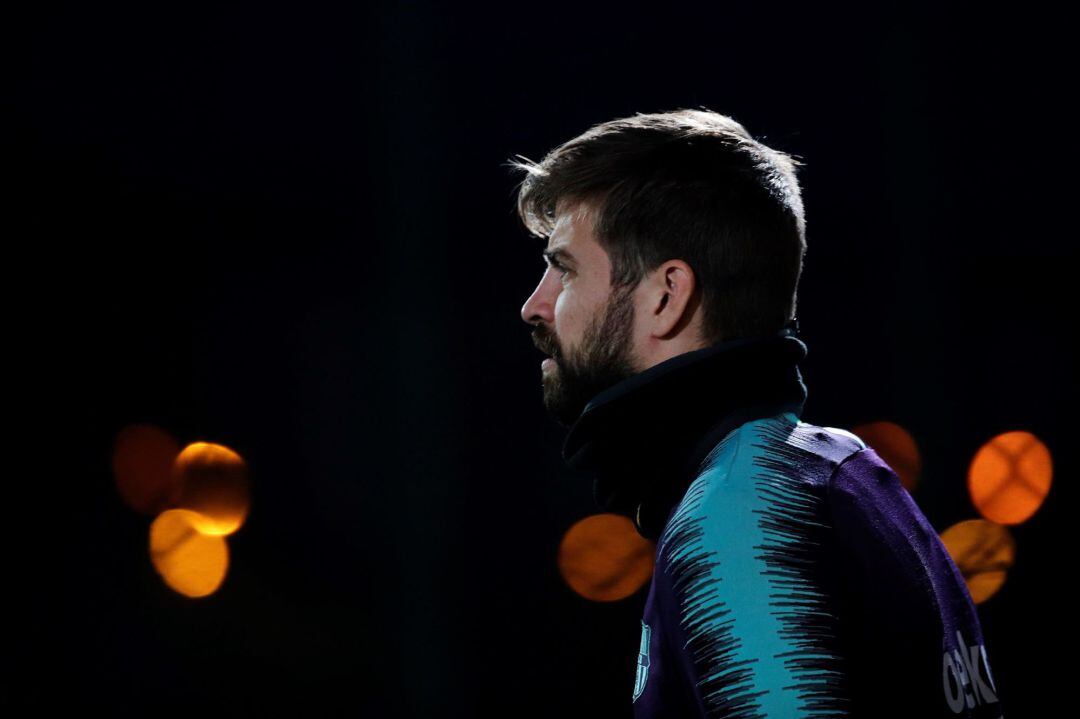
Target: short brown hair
687,184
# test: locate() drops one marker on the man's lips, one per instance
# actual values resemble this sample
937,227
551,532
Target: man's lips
549,361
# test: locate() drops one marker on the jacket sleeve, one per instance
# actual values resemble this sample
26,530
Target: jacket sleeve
747,608
914,613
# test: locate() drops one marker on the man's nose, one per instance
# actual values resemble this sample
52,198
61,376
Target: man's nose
540,307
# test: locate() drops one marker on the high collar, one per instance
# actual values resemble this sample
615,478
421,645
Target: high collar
645,437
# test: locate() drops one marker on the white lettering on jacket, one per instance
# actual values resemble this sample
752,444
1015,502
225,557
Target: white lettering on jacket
962,673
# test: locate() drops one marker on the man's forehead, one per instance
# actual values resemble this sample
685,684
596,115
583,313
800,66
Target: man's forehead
573,225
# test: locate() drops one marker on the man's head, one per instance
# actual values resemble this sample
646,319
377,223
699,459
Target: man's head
666,233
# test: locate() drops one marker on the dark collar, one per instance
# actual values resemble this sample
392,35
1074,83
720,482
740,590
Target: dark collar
645,437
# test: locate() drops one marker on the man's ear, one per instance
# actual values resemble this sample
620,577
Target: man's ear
670,291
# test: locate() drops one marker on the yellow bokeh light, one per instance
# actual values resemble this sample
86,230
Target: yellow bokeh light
603,558
142,463
1010,476
896,446
191,563
215,486
984,552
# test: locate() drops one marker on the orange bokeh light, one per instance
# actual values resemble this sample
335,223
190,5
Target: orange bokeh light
142,463
1010,476
603,558
191,563
896,446
984,552
214,482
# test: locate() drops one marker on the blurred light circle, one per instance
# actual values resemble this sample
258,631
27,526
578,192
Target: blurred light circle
983,552
1010,476
603,558
142,462
191,563
214,484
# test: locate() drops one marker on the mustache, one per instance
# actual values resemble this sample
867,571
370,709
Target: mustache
545,342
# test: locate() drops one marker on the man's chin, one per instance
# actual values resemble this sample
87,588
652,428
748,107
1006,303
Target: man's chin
560,408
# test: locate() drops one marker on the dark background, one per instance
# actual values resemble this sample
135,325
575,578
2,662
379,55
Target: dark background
290,229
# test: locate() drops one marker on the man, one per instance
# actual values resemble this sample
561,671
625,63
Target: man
794,576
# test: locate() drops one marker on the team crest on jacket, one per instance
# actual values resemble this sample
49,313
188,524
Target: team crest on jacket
642,661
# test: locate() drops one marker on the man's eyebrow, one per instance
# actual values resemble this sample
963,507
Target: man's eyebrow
558,253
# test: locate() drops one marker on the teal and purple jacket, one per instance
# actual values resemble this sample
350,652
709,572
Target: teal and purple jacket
794,577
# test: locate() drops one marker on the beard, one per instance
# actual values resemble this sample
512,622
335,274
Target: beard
604,358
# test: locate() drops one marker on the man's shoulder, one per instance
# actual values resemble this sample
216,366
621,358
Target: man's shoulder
743,558
781,442
777,465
